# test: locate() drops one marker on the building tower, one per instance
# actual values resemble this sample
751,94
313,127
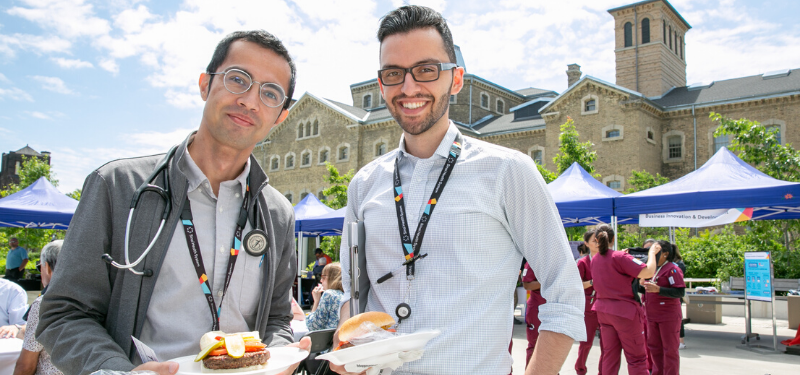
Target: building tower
650,47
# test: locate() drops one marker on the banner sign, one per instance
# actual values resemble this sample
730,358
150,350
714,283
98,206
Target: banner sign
696,219
758,276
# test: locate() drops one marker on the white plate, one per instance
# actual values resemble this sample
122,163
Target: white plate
414,341
279,359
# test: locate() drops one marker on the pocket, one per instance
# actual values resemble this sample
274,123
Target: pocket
250,287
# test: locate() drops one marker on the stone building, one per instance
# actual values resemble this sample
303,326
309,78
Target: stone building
649,119
12,163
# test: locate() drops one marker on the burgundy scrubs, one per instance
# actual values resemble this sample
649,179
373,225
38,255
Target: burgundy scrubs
532,313
590,319
664,322
620,316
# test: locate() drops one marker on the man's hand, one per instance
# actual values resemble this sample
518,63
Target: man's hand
160,368
304,344
340,370
8,332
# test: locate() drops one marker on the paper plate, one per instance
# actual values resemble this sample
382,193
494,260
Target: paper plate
414,341
279,359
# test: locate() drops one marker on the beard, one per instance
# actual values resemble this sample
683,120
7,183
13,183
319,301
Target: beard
438,109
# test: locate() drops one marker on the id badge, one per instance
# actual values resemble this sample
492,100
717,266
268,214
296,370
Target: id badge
671,280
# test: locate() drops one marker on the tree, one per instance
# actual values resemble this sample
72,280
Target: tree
570,150
32,169
759,146
336,198
75,194
644,180
546,174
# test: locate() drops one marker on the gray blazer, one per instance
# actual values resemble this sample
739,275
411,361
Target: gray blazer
91,309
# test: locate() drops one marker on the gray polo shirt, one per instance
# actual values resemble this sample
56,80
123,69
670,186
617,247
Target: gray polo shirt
178,313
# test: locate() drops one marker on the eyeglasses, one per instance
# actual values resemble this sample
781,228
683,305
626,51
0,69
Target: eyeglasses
237,82
420,73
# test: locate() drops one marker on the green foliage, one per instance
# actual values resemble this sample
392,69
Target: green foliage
32,169
644,180
546,174
570,150
336,198
76,194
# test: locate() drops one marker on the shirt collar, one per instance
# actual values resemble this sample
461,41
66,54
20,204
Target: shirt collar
196,177
443,149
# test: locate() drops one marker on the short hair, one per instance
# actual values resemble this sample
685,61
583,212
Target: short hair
588,235
50,252
648,241
263,39
412,17
667,248
318,251
333,272
13,238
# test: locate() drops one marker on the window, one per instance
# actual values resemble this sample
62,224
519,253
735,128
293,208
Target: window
382,101
303,195
537,156
612,133
305,158
616,185
289,161
681,46
324,154
308,129
645,31
650,135
615,182
343,153
590,105
316,127
674,144
664,31
289,197
274,164
676,43
321,196
367,101
720,142
628,34
500,106
300,131
777,130
17,168
485,100
380,149
670,37
452,99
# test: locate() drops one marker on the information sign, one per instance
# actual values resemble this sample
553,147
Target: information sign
758,276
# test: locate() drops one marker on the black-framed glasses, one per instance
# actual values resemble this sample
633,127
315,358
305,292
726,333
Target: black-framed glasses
421,73
237,81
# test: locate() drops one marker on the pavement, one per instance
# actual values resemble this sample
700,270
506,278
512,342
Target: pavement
710,349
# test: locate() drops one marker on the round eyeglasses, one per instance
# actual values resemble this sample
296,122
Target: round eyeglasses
237,81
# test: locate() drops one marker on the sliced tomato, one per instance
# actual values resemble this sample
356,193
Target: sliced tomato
220,351
253,346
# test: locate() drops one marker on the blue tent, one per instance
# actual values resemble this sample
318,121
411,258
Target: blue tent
724,181
40,205
582,200
309,207
329,224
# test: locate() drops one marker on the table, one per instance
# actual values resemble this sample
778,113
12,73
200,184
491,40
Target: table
299,328
9,352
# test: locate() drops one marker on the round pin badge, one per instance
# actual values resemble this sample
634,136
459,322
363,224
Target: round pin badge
255,243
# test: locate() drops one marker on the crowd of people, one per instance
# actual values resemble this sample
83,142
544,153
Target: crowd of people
635,304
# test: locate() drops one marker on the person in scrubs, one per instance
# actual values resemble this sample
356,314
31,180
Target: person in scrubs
619,311
663,307
535,300
589,316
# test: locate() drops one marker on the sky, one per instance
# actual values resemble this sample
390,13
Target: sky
94,81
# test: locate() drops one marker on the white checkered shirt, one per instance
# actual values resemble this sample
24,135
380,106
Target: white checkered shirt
494,210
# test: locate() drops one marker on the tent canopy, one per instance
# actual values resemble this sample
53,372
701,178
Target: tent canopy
581,199
309,207
40,205
329,224
724,181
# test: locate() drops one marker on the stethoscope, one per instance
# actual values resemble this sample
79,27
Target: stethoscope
166,195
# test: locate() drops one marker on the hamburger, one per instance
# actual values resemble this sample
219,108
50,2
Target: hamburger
350,329
221,352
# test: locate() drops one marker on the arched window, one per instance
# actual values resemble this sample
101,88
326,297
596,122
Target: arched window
274,163
300,131
343,153
288,161
316,127
590,105
500,106
308,129
289,196
380,149
321,196
670,37
645,31
777,130
367,101
305,158
628,34
485,100
681,46
324,155
664,31
676,43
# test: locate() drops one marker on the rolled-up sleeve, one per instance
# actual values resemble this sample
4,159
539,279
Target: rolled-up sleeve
537,231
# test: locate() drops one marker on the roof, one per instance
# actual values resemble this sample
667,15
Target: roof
355,111
731,89
27,150
648,2
494,124
533,91
597,80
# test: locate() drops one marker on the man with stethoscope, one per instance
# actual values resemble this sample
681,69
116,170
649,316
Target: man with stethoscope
167,248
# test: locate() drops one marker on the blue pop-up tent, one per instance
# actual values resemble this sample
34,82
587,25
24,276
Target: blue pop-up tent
724,181
329,224
309,207
582,200
39,205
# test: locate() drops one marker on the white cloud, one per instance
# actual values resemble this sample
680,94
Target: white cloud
15,93
4,79
156,142
54,84
132,20
109,65
72,63
68,18
38,115
37,44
